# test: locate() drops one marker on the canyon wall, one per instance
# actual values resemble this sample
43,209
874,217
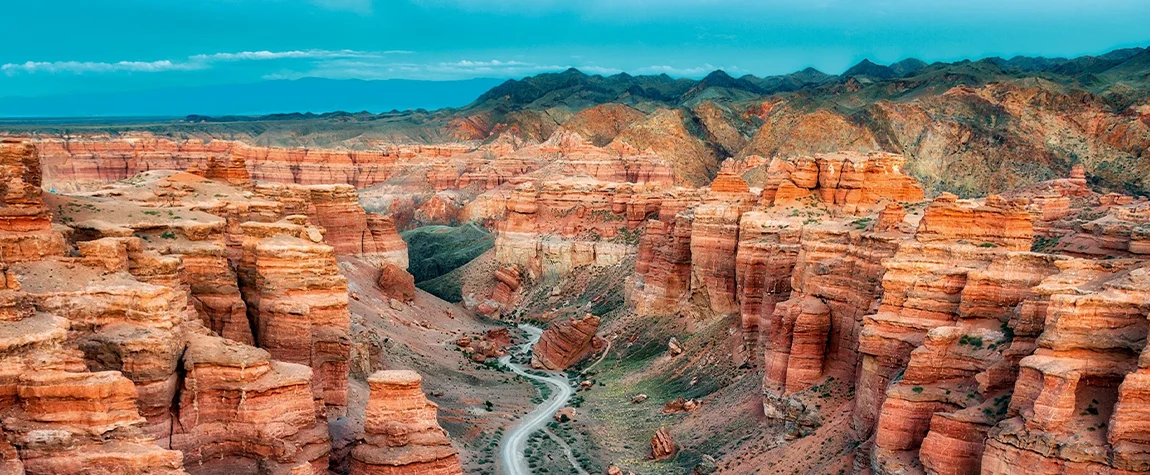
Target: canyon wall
966,350
176,323
83,162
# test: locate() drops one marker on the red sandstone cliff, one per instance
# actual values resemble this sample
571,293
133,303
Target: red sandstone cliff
402,433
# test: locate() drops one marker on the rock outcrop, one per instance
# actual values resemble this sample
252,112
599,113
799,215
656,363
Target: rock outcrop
67,422
566,343
396,283
87,162
1076,405
25,223
241,411
347,227
555,226
118,323
662,279
401,433
848,180
767,253
297,300
662,445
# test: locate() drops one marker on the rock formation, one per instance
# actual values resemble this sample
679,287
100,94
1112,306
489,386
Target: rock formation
843,179
66,422
967,352
714,241
508,280
556,226
297,300
396,283
402,434
1085,373
241,411
662,445
662,279
101,161
566,343
347,227
25,223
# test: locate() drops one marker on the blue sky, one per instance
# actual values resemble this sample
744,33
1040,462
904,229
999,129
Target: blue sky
93,46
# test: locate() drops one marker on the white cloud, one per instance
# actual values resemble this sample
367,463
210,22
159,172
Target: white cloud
82,67
376,68
361,68
298,54
342,64
191,63
686,71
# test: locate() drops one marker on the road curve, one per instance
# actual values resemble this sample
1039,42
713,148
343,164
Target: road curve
511,448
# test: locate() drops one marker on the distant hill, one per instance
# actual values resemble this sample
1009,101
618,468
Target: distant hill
574,90
267,97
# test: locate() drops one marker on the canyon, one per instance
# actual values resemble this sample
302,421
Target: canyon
748,286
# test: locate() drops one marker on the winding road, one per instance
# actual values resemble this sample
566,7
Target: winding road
511,449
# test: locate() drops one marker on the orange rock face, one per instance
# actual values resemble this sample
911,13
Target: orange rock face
566,343
714,241
1085,373
25,223
662,279
241,411
508,281
402,435
83,422
229,169
298,301
113,359
766,256
118,323
347,227
846,179
997,223
799,343
101,161
555,226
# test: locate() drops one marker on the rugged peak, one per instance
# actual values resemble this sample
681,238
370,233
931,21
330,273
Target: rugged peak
718,75
908,66
869,69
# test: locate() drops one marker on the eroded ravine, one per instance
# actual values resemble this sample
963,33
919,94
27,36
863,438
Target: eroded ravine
511,448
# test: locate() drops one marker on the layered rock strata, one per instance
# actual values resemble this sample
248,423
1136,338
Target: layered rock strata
25,223
556,226
1076,405
401,433
85,162
297,300
836,280
65,423
566,343
662,279
347,227
242,412
715,240
844,179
